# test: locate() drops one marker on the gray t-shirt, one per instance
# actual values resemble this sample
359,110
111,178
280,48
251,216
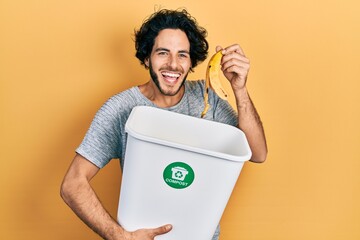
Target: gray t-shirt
106,137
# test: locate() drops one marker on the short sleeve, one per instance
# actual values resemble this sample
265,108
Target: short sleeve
102,141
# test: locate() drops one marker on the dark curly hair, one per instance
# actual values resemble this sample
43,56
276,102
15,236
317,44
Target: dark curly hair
171,19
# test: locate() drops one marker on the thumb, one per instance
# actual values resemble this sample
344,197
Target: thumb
218,48
162,230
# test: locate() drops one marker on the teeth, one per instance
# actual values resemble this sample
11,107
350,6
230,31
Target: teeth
172,75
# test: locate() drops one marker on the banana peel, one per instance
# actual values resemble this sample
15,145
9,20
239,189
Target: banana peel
213,81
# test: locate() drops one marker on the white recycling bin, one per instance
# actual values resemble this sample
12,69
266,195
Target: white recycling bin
178,170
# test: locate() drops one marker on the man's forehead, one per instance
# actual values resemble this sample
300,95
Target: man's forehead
171,39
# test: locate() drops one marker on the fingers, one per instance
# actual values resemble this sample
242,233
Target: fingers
161,230
232,52
235,51
234,48
234,62
233,56
148,234
239,62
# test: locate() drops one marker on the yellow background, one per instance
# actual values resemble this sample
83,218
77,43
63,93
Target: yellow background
60,60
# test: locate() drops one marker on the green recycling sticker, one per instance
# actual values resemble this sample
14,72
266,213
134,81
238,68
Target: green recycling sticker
178,175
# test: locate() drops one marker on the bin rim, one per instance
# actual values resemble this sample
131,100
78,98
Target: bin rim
225,156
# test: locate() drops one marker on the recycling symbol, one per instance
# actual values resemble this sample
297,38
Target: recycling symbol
178,175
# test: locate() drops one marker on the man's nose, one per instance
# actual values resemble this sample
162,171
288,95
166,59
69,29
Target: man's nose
173,62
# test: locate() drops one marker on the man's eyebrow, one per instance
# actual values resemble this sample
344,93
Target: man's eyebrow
167,50
184,51
162,49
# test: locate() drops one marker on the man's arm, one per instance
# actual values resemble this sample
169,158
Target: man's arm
235,67
81,198
251,125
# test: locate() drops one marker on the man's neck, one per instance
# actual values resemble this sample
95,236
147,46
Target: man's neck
151,92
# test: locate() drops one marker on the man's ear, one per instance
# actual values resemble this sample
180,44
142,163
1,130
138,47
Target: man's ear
146,62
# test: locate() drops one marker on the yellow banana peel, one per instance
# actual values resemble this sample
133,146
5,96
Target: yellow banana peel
213,81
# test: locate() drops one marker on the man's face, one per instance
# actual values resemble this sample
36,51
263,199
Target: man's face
169,61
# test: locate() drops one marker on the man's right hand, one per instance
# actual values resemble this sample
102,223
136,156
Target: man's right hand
147,234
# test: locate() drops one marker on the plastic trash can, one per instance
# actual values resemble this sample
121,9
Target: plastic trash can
179,170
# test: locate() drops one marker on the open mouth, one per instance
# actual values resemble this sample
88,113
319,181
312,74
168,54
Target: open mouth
170,76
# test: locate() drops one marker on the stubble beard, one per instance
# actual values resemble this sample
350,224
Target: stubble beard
155,79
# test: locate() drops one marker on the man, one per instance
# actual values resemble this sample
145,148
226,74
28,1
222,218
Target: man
170,44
